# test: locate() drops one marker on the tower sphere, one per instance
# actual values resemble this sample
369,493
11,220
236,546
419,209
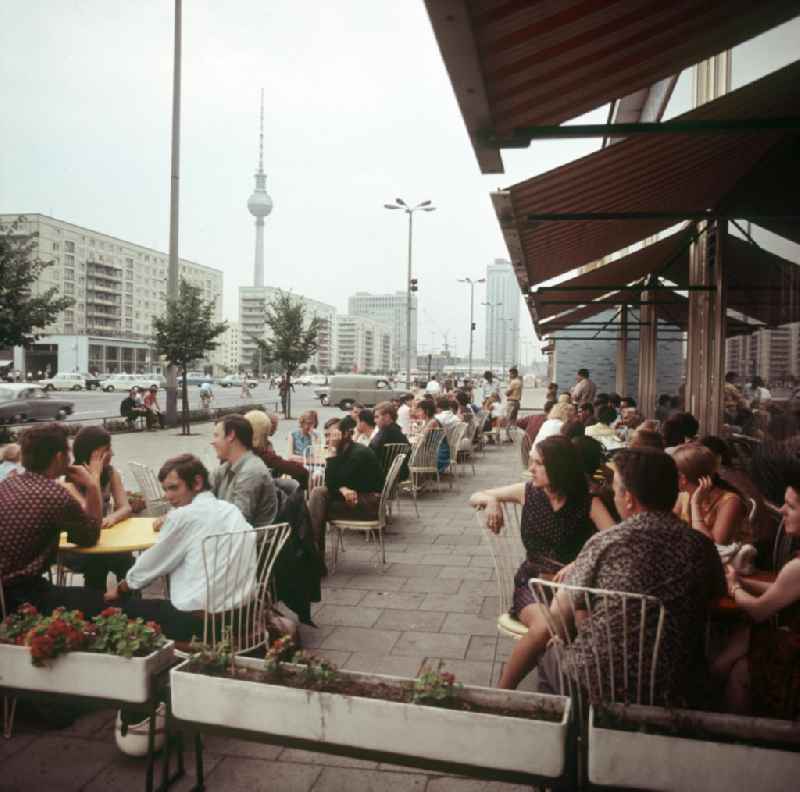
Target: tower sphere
259,204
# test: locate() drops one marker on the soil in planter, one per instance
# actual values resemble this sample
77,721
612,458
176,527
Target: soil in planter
404,694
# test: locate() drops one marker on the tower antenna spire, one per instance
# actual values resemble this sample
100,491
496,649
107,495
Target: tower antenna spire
260,204
261,137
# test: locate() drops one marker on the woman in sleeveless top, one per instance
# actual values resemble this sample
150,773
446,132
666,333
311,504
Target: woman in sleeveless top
116,507
558,515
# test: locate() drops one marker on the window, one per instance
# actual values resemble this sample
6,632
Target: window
56,246
69,274
69,288
69,247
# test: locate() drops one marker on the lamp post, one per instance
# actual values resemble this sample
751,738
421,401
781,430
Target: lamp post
425,206
491,306
471,314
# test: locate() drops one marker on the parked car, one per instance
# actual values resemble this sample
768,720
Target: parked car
318,379
21,402
145,381
345,389
120,382
235,380
70,381
198,378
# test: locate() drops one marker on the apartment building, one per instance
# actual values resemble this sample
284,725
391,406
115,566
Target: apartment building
389,310
253,301
773,355
502,314
118,287
228,355
363,345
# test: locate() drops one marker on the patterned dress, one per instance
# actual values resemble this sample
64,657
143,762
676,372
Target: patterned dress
551,539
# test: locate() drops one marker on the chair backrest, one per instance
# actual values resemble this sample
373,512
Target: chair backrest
621,634
426,452
389,484
525,446
507,551
455,435
150,486
390,451
238,568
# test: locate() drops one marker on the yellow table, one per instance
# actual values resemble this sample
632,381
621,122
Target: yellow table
135,533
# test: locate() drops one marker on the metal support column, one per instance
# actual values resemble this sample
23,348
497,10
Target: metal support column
648,339
621,383
719,301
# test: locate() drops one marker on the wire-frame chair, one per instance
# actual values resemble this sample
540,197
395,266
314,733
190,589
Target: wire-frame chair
388,454
151,489
525,446
238,575
424,459
620,661
508,553
9,703
313,462
368,526
455,434
466,448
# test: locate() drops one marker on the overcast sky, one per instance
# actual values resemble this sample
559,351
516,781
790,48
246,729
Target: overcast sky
359,110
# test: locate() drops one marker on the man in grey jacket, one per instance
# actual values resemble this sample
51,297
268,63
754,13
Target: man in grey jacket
243,479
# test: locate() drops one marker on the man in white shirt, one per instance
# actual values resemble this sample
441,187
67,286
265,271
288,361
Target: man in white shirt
433,388
178,554
404,413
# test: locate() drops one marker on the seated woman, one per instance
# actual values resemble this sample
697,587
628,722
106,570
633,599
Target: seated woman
93,443
558,515
561,412
427,408
263,428
761,663
302,439
707,502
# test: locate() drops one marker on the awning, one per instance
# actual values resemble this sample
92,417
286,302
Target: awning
519,64
599,204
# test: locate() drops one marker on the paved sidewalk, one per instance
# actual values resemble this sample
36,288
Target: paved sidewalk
436,599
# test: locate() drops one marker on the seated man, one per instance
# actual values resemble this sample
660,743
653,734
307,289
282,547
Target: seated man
35,508
388,432
178,553
353,484
131,407
242,479
365,427
650,552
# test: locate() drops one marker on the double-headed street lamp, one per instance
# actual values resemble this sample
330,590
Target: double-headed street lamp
471,314
411,285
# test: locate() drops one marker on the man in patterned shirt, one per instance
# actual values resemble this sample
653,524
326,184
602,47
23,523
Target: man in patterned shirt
35,508
650,552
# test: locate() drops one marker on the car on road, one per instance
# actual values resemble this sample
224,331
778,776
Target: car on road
235,380
346,389
70,381
197,378
124,382
323,394
20,402
318,380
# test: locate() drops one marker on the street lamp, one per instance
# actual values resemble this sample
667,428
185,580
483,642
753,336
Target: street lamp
491,306
471,314
425,206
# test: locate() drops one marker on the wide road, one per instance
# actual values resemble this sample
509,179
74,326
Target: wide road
93,405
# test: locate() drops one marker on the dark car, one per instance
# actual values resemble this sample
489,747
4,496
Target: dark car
21,402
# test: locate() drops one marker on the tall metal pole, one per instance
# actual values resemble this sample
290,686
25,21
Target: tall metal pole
471,324
410,214
173,271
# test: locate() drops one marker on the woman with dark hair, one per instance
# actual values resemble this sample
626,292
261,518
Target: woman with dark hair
428,409
558,515
116,507
598,474
679,428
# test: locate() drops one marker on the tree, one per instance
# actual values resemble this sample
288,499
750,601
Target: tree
293,339
184,333
21,312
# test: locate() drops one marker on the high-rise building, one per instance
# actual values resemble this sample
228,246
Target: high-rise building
773,355
253,301
390,310
502,315
118,287
229,353
260,204
363,345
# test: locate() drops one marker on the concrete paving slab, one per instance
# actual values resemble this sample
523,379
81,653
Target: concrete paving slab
399,600
299,756
339,779
424,621
463,623
358,639
385,664
234,774
413,570
433,585
470,572
455,603
431,645
346,616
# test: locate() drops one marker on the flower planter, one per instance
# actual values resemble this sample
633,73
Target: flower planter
499,742
622,756
85,673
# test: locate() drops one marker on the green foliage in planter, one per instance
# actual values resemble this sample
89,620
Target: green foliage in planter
434,686
215,659
114,633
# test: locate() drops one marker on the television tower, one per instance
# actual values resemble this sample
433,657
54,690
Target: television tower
260,204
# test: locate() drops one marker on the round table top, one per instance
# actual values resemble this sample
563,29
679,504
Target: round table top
135,533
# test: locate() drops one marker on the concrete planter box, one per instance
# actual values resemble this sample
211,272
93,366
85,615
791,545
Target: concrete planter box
623,758
536,747
85,673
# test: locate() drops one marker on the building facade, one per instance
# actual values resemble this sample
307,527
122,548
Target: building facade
228,355
773,355
391,311
118,287
363,345
502,315
253,301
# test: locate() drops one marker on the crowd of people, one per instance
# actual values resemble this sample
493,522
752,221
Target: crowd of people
621,503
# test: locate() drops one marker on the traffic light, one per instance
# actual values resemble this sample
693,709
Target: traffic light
473,326
413,284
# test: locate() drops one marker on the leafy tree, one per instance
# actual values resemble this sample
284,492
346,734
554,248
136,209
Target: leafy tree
22,312
293,339
184,333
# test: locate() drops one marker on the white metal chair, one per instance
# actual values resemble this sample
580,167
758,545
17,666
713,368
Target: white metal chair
508,553
455,435
238,570
9,703
466,447
150,487
525,446
388,454
377,525
424,459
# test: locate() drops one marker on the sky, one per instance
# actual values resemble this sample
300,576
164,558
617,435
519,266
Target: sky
358,110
